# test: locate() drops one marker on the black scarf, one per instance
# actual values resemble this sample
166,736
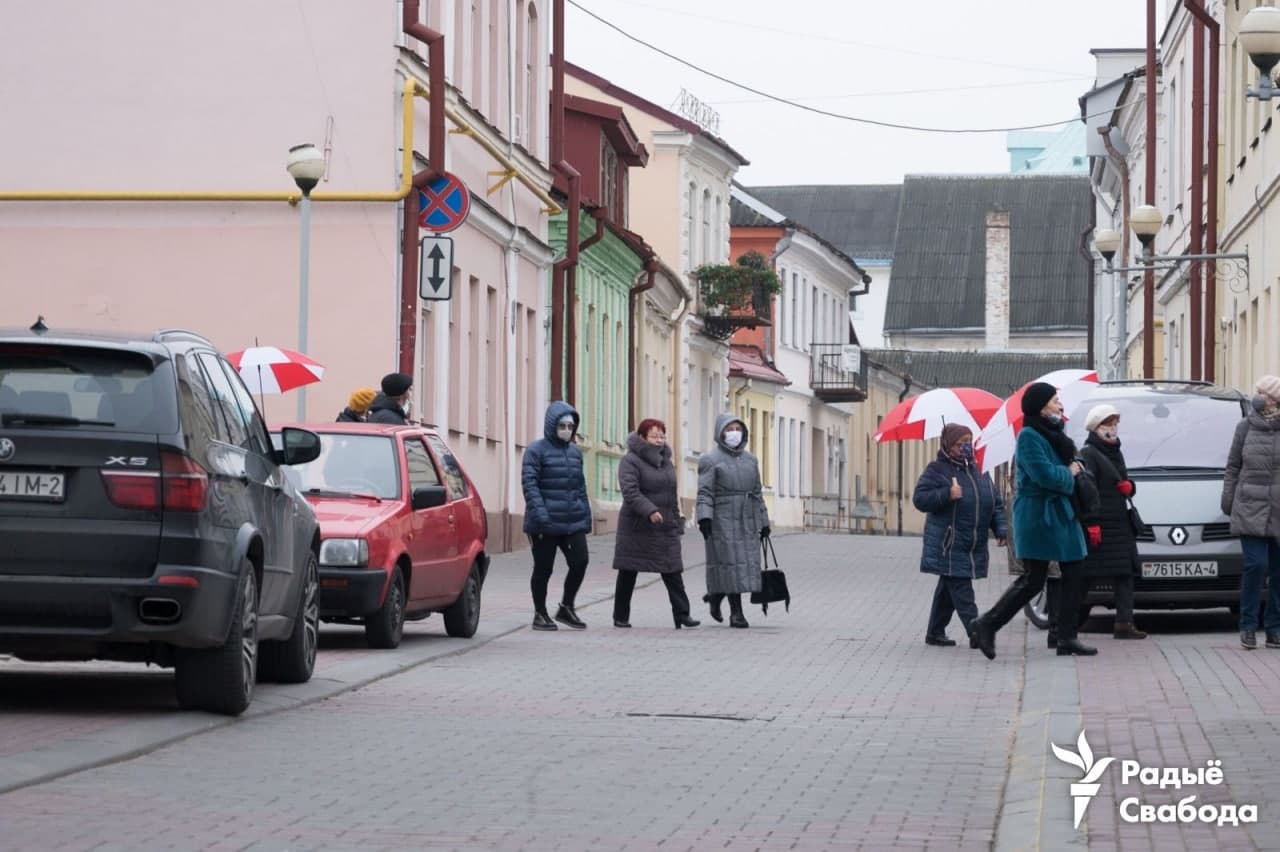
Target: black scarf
1111,452
1054,434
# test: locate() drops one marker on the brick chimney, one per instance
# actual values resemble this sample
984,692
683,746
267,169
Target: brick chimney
997,280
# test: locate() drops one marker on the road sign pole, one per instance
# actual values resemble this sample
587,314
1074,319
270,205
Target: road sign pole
304,294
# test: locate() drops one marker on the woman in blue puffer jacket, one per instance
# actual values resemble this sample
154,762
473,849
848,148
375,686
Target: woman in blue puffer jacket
965,510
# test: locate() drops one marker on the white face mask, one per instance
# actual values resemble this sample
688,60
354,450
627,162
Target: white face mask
733,439
1109,435
564,431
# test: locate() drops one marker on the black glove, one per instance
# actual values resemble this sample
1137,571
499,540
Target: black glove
764,533
704,527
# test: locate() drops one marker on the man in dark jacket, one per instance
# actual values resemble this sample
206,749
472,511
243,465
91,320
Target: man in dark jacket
392,405
557,513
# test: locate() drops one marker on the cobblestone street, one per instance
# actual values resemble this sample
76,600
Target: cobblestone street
829,727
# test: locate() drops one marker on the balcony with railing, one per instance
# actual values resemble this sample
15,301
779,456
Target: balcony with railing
837,372
734,296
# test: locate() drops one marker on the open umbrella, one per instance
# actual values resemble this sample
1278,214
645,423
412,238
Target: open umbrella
922,417
995,445
270,369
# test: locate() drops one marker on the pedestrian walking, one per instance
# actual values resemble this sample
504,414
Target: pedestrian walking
649,524
557,513
1251,496
732,518
1113,542
964,511
392,406
357,406
1046,525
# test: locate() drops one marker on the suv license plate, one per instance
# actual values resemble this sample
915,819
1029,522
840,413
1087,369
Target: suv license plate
31,486
1179,569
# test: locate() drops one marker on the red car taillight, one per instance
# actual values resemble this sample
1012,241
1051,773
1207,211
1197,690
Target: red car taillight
180,486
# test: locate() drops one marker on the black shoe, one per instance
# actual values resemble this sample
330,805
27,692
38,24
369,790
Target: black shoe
1273,638
1249,639
985,639
618,622
940,640
542,622
685,621
1073,648
714,602
565,615
1052,639
738,620
973,642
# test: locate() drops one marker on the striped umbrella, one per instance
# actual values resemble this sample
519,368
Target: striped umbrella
270,369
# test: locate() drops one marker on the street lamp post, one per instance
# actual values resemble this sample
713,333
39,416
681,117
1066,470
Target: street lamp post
1259,35
1146,221
306,167
1107,242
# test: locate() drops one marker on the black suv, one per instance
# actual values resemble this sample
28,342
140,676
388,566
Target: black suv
144,515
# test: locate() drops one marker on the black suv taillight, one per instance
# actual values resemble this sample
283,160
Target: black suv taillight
180,486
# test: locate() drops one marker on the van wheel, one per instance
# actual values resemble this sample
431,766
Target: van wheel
385,628
463,615
293,660
221,680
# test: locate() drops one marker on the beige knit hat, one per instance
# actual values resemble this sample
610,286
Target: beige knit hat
1099,414
1270,385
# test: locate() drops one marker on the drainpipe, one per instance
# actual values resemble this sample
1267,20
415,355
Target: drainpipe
1196,154
434,41
1209,341
1092,296
1120,285
564,367
633,297
1149,276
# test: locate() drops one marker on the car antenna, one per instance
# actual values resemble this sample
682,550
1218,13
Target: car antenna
38,326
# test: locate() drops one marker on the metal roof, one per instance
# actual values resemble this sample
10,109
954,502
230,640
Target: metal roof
859,220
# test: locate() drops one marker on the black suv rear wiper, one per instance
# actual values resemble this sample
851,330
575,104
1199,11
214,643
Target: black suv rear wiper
9,418
327,492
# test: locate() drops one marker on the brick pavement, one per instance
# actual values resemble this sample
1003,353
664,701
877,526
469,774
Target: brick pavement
829,727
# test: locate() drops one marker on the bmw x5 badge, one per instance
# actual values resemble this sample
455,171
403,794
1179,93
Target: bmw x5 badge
7,449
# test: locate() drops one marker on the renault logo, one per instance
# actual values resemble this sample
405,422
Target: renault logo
7,449
1178,535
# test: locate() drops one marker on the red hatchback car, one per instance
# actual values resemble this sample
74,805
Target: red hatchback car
402,530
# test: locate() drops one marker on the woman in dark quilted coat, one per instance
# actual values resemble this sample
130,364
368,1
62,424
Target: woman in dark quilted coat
649,525
557,513
1113,543
965,510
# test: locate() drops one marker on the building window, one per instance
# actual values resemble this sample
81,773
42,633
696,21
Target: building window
476,89
529,127
782,456
608,178
782,306
717,231
691,225
707,256
795,310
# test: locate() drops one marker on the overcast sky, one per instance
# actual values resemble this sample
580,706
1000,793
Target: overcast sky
935,63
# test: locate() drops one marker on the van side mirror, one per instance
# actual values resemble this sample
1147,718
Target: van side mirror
428,497
297,446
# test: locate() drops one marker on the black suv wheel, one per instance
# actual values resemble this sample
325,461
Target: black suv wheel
221,680
294,659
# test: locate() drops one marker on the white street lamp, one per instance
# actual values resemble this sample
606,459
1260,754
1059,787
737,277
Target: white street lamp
1107,242
306,167
1260,37
1146,220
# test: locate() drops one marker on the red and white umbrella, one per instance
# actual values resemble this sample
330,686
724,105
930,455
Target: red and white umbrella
922,417
996,444
270,369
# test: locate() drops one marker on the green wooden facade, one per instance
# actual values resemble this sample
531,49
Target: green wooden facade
605,275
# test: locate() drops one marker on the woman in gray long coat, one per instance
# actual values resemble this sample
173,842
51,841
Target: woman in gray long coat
732,518
1251,497
649,525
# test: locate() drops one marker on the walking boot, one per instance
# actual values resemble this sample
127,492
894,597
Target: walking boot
1249,639
1273,638
1051,639
940,641
1072,647
736,618
620,622
542,621
685,621
1126,630
566,615
984,638
714,602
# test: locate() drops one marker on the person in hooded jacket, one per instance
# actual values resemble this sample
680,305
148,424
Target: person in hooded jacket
964,511
557,513
358,406
649,524
1113,543
732,518
392,405
1251,497
1046,526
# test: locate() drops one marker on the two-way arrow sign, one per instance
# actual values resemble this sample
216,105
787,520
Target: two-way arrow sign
435,269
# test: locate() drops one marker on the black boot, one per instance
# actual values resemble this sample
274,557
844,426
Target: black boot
565,615
683,620
1052,637
541,621
984,638
714,602
736,618
1072,647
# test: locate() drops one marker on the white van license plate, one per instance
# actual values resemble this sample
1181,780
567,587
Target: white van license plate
1179,569
31,486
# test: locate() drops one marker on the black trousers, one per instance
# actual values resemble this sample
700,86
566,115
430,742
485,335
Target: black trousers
626,586
574,548
1122,584
952,595
1027,586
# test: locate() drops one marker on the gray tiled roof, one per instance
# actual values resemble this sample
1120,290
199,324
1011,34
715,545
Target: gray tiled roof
1000,373
858,220
743,216
938,278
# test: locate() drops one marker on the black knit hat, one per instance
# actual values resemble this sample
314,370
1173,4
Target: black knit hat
1036,397
396,384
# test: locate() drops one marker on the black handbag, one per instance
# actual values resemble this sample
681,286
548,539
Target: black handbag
1135,520
773,582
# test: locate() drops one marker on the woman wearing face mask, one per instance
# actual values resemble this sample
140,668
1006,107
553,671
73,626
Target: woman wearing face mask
732,518
1251,496
1113,543
964,511
649,525
1045,525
